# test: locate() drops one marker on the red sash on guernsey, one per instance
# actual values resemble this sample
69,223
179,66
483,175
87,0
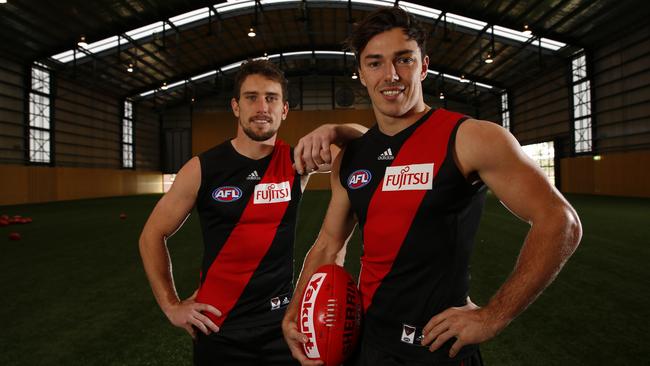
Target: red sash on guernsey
229,274
384,232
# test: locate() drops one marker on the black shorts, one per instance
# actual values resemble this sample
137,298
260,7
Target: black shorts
368,354
259,345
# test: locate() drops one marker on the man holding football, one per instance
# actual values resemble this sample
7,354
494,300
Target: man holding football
416,184
246,191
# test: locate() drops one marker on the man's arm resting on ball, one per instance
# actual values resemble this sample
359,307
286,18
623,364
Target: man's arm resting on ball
334,234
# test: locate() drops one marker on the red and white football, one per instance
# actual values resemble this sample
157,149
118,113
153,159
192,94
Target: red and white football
330,315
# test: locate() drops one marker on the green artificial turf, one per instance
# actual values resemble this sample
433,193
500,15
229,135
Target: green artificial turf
73,291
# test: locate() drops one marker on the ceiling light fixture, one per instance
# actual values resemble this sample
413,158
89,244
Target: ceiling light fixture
463,79
354,76
251,30
527,30
129,68
442,95
489,59
164,86
3,1
82,42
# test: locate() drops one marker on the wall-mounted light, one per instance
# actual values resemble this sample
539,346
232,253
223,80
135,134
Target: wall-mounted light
597,157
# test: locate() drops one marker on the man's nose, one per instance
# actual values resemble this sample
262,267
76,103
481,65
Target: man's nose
390,72
262,105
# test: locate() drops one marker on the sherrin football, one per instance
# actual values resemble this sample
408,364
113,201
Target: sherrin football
330,315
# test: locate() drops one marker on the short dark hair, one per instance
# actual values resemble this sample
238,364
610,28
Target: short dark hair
265,68
382,20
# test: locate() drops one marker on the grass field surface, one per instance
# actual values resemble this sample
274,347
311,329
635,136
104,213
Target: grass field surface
73,291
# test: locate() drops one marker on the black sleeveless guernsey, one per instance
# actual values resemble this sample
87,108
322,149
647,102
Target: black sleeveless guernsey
247,209
418,217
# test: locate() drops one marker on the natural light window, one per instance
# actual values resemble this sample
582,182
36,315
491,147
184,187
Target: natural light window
581,105
226,8
168,180
543,154
505,111
39,115
127,135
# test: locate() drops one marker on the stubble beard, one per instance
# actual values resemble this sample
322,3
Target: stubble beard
259,137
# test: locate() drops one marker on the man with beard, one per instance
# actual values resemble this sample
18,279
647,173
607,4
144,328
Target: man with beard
246,191
415,183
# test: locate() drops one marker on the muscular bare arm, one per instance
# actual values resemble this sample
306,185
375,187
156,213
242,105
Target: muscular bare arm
313,153
167,217
336,231
555,232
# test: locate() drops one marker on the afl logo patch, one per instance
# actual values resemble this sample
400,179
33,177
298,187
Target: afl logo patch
227,194
359,179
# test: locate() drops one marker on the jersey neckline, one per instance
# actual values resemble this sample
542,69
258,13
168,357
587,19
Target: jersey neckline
246,158
407,130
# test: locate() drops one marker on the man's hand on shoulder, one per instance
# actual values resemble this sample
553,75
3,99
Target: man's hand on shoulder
314,153
313,149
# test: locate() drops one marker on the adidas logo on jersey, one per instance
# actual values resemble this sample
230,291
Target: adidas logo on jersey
386,155
253,176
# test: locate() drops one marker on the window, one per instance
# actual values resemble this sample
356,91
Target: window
127,135
582,133
543,154
39,115
505,111
168,180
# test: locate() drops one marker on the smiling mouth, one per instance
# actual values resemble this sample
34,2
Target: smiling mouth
390,93
260,121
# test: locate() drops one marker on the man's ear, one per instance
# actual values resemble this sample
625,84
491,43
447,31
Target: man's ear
234,104
361,78
425,67
285,110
